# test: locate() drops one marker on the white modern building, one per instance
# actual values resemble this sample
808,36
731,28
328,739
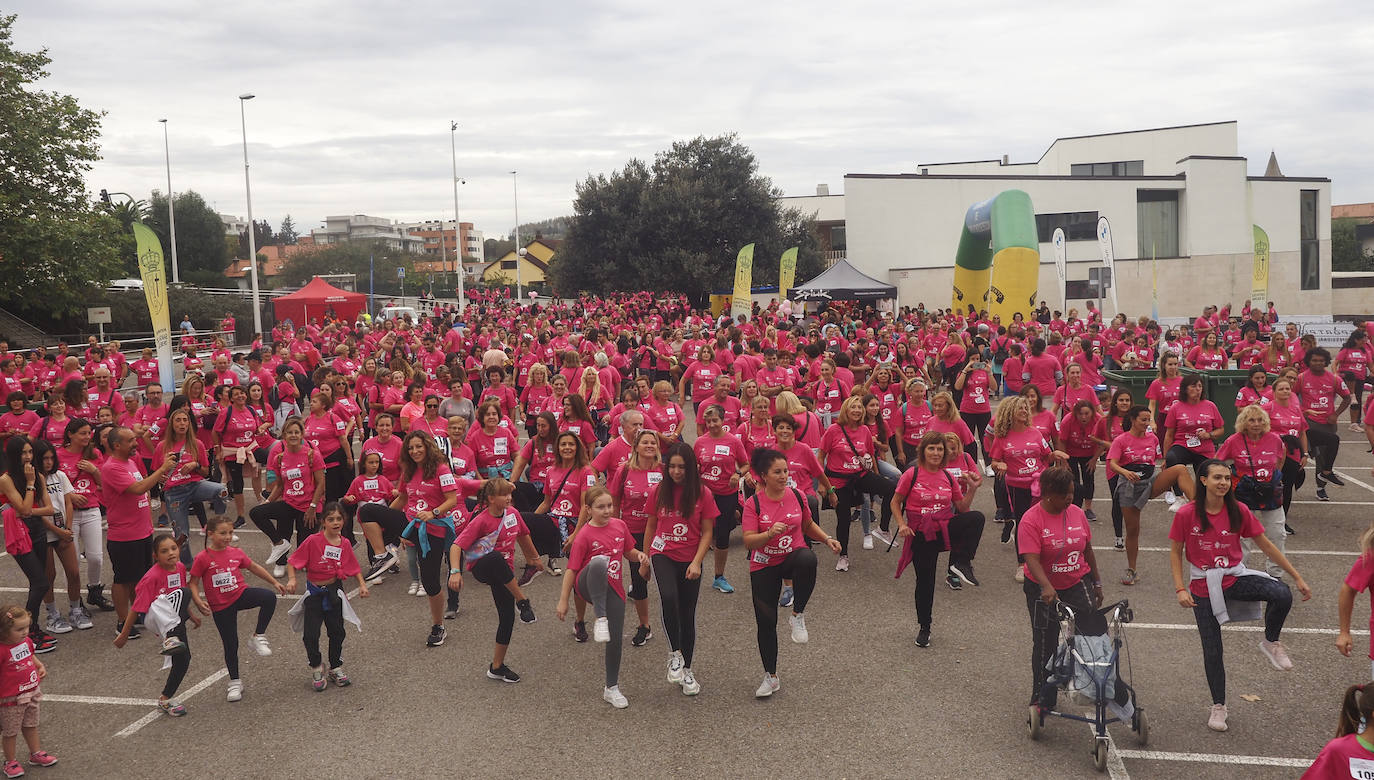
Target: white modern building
1178,195
360,227
233,226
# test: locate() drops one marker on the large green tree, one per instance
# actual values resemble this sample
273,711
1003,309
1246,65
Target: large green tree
1346,254
54,244
679,223
200,234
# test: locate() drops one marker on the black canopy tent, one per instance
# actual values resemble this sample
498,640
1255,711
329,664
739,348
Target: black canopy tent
843,282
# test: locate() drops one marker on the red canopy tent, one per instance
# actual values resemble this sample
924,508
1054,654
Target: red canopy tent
314,299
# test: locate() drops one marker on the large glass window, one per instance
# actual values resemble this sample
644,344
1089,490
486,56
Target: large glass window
1078,225
1108,169
1311,278
1156,219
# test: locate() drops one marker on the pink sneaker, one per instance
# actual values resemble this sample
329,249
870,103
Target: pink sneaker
12,769
42,758
1277,655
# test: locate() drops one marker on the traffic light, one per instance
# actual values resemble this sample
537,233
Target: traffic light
105,197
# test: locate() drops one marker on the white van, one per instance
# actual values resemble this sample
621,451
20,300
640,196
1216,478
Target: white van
398,313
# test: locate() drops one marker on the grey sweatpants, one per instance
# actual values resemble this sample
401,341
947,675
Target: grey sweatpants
593,586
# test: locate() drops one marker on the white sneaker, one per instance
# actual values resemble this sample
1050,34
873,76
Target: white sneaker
56,624
278,571
1277,655
601,630
675,663
278,550
1177,505
881,537
868,541
235,690
414,589
768,687
799,633
260,645
690,686
1020,573
79,617
988,472
615,698
842,564
1216,719
1170,497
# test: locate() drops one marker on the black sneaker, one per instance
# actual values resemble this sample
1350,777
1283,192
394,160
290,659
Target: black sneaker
134,633
1321,494
379,565
580,631
642,636
503,673
44,643
240,522
1008,531
1334,479
1321,482
923,637
436,636
395,569
964,571
1288,530
953,582
528,574
526,611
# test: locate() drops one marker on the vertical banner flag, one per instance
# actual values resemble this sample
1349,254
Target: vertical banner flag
741,302
1104,243
787,273
155,290
1259,277
1061,265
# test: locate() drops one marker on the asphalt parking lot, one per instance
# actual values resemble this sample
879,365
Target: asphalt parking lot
860,700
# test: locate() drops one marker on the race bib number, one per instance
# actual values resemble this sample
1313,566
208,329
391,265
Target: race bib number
832,394
223,581
499,447
658,544
760,557
293,474
1361,769
575,429
174,581
722,449
510,521
370,484
20,652
978,397
333,553
1192,441
655,477
447,480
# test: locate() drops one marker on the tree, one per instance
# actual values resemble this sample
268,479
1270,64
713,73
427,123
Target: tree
287,234
496,248
357,258
54,244
127,212
679,224
1346,254
262,236
201,242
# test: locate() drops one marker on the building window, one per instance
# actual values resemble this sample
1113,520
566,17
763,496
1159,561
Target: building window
1311,252
1108,169
837,238
1156,216
1078,226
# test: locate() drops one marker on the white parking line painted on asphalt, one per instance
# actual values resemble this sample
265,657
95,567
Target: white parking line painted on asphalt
1364,485
133,728
69,699
1217,758
1250,629
1352,554
1337,503
1116,768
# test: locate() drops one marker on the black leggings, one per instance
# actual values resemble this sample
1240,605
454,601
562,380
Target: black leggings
431,562
965,531
492,570
1293,477
766,585
227,621
277,520
1356,386
678,596
977,423
1083,470
392,521
851,495
1249,588
337,476
545,533
728,507
1179,454
1325,444
181,662
35,568
639,587
1118,520
333,621
1045,626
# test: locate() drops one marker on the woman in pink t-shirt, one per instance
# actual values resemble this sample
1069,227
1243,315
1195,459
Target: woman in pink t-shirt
1191,425
297,494
1019,453
566,480
776,524
932,511
1206,535
849,452
630,486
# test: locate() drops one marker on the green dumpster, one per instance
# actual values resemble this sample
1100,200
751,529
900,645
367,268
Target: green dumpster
1221,388
1136,381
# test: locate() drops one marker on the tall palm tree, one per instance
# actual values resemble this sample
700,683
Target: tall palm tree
128,212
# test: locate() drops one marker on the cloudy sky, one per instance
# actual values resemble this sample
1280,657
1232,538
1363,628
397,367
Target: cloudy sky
354,99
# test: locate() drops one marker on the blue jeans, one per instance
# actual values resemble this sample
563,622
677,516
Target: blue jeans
179,500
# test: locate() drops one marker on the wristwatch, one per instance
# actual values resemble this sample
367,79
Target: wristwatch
452,571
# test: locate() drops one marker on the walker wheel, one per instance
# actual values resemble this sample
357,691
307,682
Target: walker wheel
1036,722
1100,755
1142,727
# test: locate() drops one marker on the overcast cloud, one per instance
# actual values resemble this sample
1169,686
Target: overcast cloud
354,99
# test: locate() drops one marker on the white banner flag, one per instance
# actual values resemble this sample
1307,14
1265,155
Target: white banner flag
1061,265
1104,243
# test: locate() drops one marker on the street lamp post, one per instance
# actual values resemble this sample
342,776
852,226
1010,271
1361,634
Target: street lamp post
252,242
171,216
519,250
457,223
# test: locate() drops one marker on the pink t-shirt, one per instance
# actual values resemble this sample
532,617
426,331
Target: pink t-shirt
760,512
830,395
1217,547
1164,392
486,533
237,428
1192,423
1129,449
675,536
128,515
1040,370
539,459
83,484
612,456
1077,438
390,453
702,377
1026,454
630,488
492,450
1059,540
719,460
1360,578
977,392
915,418
296,470
324,562
177,477
612,540
221,573
842,457
426,495
570,484
929,496
803,468
322,432
734,412
157,581
1258,459
666,419
1319,392
371,490
1343,757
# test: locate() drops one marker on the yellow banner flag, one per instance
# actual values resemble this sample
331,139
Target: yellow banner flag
742,302
154,275
1259,275
787,272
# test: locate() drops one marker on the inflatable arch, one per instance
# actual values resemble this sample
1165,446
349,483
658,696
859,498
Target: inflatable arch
997,266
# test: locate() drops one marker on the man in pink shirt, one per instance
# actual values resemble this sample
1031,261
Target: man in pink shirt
124,493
